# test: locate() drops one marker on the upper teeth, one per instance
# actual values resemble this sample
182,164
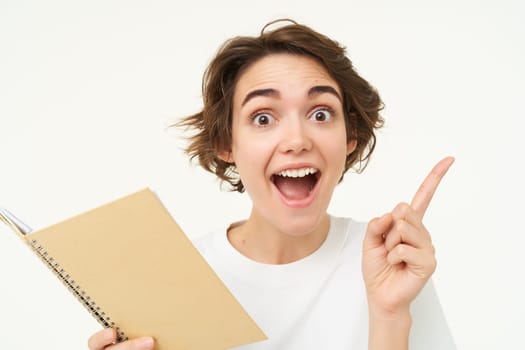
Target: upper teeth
297,172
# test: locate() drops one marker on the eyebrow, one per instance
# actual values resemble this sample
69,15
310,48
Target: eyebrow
260,92
312,92
321,89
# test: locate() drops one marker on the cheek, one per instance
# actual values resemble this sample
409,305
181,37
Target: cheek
250,154
336,148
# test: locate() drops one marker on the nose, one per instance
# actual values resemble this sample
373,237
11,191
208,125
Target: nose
295,137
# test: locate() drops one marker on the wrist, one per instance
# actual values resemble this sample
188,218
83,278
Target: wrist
389,329
380,313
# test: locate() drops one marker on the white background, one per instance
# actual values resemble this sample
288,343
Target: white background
88,88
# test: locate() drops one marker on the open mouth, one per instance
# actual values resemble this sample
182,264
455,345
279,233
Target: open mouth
296,184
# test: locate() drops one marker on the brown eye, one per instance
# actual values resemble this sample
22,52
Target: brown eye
321,115
263,119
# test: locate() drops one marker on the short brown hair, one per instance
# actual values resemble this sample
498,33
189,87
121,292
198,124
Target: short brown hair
212,126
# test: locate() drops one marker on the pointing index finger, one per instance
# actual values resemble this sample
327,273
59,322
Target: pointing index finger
426,191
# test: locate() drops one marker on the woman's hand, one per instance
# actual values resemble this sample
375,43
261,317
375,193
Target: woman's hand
105,340
398,259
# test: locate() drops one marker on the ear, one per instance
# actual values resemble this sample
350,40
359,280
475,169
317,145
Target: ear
351,146
225,156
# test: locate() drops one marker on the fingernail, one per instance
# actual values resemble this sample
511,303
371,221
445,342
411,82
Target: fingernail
146,342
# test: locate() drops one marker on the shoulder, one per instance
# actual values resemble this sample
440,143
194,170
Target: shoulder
351,232
348,225
206,242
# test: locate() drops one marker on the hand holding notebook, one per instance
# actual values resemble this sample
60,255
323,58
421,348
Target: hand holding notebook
132,267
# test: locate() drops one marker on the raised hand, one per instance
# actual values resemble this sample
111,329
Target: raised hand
398,255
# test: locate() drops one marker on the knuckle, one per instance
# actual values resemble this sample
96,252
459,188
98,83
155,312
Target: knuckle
402,210
433,264
428,238
401,226
374,225
92,341
401,249
400,231
100,340
391,239
372,222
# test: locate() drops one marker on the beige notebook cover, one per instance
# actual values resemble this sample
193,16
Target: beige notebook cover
134,269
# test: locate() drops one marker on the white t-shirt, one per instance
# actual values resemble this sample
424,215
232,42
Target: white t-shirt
318,302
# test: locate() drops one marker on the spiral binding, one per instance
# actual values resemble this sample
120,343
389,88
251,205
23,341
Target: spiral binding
77,291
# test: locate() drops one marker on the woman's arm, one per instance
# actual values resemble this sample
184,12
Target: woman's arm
398,260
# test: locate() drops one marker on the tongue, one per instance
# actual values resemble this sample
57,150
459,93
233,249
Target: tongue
294,188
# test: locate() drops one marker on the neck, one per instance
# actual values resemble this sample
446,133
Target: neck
263,242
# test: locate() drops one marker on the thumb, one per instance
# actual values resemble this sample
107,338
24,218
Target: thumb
375,231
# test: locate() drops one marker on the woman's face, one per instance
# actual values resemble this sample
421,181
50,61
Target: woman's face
288,140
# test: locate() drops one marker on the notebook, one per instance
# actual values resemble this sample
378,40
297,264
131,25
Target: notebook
132,267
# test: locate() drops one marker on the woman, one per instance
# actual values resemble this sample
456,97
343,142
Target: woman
285,116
